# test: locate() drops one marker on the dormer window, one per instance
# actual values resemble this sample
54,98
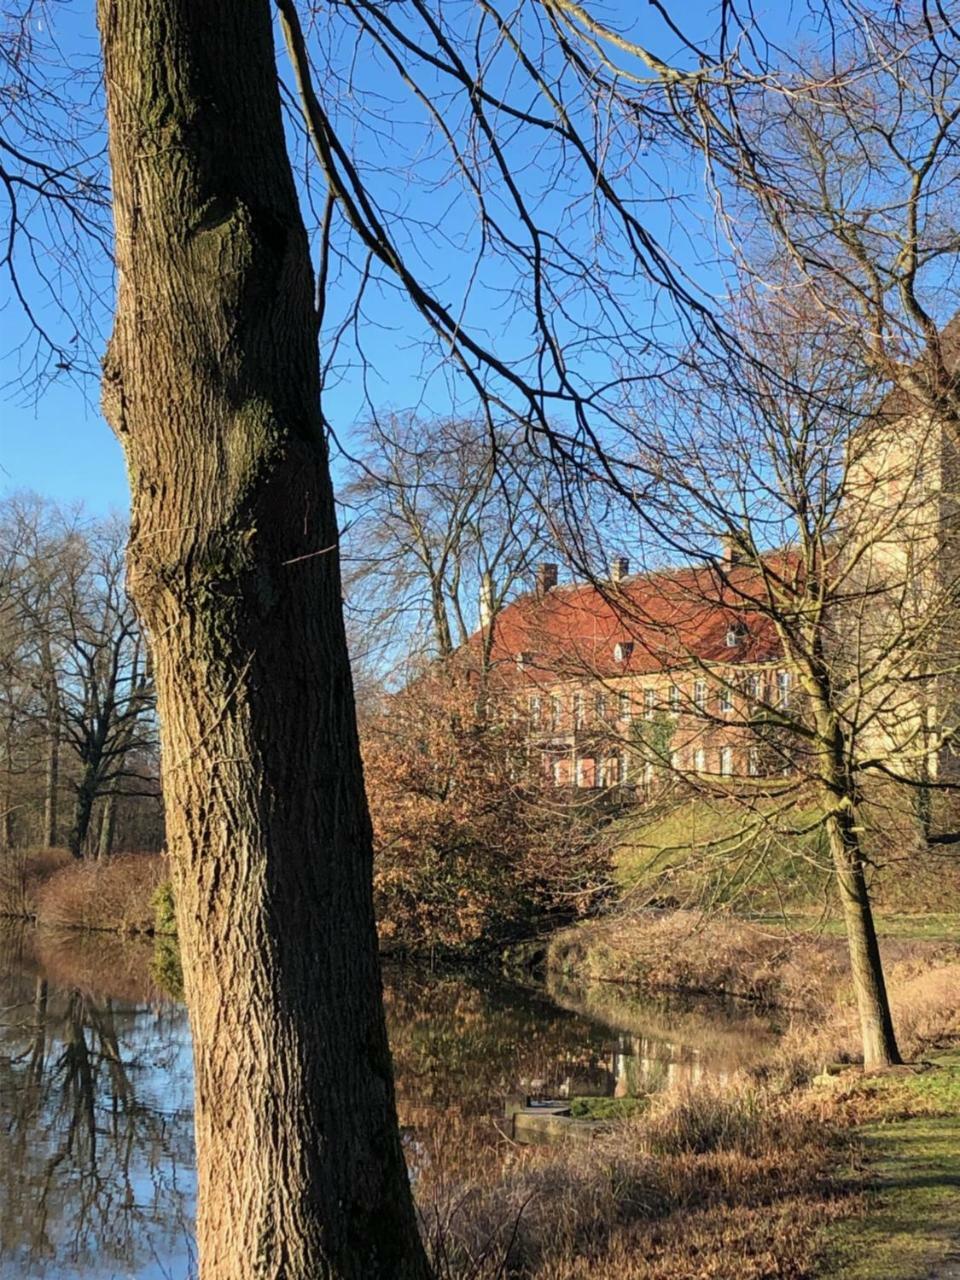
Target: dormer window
523,660
735,633
622,650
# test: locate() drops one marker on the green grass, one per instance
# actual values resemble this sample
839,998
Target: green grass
606,1108
765,860
717,851
933,927
911,1225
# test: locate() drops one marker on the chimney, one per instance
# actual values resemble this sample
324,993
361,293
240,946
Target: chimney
619,568
731,549
546,578
486,600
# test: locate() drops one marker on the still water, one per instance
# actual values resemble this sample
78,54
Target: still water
96,1141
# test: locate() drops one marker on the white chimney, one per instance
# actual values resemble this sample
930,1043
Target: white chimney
486,600
619,568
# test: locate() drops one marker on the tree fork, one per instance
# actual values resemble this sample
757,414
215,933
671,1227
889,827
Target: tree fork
211,382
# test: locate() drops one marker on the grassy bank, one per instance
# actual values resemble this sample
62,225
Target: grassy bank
907,1131
126,893
761,857
755,1179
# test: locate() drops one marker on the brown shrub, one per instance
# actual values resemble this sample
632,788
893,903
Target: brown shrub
116,894
22,873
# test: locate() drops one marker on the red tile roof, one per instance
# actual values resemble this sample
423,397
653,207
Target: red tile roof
663,620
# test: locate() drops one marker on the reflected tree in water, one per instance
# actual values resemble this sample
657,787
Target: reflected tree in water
96,1161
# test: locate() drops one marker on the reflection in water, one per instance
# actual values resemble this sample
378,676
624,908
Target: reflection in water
96,1130
96,1136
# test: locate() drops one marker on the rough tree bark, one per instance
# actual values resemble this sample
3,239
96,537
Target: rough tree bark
211,382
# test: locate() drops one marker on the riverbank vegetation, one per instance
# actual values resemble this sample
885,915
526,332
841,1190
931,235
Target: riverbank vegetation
469,850
124,893
752,1178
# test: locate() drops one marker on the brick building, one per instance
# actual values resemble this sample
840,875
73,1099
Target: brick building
646,675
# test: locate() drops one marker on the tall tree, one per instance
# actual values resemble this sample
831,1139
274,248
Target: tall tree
211,382
447,519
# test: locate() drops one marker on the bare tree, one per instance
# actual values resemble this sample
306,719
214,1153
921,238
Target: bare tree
78,698
105,689
446,523
811,641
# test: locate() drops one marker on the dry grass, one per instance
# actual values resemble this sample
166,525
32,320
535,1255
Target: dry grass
809,971
683,950
117,894
719,1182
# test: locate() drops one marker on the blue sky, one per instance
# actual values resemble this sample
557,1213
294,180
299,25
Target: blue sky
53,440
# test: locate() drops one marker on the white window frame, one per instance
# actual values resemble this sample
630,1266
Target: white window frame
726,762
784,685
649,703
556,712
700,695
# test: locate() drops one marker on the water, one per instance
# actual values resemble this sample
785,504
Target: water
96,1141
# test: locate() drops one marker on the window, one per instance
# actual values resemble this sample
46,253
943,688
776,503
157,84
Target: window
648,774
649,703
535,710
600,706
700,760
624,710
676,761
556,712
753,762
675,699
622,650
624,767
726,761
578,710
735,633
700,695
755,686
586,772
783,688
725,699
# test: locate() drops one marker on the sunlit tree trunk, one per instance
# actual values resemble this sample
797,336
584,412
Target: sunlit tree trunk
840,802
108,821
212,384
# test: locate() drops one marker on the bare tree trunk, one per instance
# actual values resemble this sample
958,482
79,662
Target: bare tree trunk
82,812
108,820
51,786
212,384
876,1024
52,780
